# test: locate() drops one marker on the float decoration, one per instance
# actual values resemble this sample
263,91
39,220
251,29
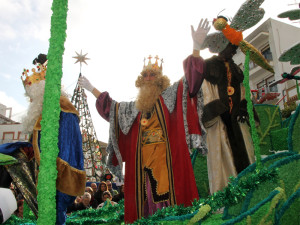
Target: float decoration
51,113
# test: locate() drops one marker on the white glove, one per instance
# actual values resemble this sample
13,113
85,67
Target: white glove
85,83
8,203
200,34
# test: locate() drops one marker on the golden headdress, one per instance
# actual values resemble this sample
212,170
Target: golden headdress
153,67
36,76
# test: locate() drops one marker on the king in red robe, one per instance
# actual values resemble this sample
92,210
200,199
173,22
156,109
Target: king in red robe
155,143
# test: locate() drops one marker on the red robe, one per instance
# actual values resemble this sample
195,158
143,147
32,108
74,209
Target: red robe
183,188
182,185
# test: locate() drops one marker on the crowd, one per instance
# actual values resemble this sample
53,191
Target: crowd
97,196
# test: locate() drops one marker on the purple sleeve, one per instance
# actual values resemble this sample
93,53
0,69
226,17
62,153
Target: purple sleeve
103,104
194,68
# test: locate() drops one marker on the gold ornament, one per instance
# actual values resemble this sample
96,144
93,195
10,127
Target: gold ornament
230,90
144,122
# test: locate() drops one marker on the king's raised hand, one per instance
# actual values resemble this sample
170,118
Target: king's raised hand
85,83
200,34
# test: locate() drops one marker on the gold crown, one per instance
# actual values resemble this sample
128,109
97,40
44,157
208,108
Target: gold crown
154,66
36,76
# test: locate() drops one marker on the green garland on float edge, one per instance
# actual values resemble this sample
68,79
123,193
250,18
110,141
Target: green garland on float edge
230,195
283,173
248,170
250,112
108,215
51,113
251,168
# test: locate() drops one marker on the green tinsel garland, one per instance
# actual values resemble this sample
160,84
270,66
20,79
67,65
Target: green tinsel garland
230,195
14,220
26,210
254,209
252,166
51,112
233,193
289,157
250,112
175,213
108,215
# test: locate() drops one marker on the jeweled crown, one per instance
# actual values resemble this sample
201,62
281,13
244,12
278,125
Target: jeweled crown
153,66
36,76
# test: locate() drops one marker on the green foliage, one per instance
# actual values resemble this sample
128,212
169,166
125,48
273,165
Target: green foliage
7,159
290,175
254,134
201,176
288,109
106,215
279,139
286,180
256,217
214,219
270,119
51,111
291,215
294,132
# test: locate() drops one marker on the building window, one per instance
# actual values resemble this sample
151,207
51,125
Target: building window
251,65
266,52
261,89
265,87
272,88
8,137
292,94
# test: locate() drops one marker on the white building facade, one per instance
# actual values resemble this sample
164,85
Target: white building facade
272,38
10,131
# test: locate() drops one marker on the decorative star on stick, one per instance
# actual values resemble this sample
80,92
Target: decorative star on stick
80,58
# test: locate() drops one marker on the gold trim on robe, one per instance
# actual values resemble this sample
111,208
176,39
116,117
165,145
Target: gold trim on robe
70,180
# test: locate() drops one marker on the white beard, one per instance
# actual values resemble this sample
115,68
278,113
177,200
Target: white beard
147,96
36,93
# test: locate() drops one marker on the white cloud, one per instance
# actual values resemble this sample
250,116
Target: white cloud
6,76
25,19
7,32
11,10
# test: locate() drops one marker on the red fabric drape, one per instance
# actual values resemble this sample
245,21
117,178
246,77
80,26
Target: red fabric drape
184,180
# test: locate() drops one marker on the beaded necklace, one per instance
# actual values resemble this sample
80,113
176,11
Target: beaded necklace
230,89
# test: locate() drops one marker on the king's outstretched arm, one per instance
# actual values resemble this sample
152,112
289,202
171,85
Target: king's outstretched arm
199,36
103,102
194,65
86,84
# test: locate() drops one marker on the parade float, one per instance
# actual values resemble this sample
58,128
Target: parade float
266,192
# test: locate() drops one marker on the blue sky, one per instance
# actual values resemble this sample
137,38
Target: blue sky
116,34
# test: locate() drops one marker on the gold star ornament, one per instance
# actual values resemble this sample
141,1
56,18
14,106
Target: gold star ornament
81,58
